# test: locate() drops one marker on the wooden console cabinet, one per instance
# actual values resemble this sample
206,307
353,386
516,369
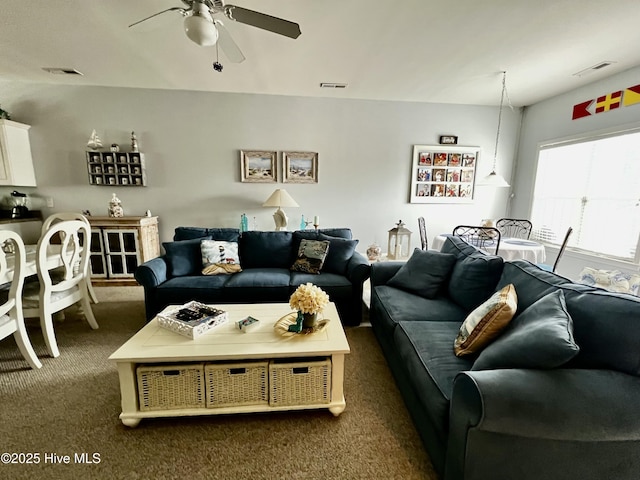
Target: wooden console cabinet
119,245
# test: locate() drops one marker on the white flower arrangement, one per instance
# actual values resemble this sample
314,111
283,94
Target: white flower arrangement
309,298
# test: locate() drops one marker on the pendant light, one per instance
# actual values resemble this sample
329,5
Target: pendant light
494,179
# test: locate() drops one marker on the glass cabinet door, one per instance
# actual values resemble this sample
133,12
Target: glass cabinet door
97,261
121,252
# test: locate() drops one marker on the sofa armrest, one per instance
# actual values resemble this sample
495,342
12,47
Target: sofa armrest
381,272
540,406
358,269
152,273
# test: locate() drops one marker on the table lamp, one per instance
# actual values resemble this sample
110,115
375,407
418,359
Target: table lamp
280,198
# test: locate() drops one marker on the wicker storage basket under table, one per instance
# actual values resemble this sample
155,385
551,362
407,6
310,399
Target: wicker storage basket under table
231,384
300,383
167,387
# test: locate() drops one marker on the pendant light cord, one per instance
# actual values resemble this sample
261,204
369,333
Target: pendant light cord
504,90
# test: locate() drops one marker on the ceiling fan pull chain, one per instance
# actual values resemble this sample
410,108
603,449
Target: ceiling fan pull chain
217,66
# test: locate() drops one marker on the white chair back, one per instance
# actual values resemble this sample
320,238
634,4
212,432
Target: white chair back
73,255
12,266
65,216
60,217
62,277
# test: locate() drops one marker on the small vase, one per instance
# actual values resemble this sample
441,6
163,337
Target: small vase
373,252
309,320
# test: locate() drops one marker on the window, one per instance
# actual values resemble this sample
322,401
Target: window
594,187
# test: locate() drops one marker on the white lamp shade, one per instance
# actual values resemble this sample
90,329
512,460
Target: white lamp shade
280,198
201,30
492,180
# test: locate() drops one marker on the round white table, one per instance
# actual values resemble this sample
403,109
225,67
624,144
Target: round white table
510,248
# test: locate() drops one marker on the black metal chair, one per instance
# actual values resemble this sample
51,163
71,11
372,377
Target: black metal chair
484,238
423,233
514,227
550,268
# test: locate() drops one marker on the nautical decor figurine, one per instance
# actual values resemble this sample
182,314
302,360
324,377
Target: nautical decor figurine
115,207
134,142
94,142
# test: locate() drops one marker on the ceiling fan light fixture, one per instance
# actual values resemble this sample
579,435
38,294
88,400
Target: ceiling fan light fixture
200,28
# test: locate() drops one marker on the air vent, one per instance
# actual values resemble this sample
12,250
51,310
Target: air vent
62,71
594,68
333,85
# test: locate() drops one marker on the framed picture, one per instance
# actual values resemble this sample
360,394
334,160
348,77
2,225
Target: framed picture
443,174
448,140
300,167
258,166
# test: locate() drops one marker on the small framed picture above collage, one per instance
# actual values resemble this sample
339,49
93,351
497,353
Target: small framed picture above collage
443,174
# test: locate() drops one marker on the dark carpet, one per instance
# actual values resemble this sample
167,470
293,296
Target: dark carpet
68,411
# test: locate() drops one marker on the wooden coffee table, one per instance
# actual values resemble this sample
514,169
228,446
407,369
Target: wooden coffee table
155,347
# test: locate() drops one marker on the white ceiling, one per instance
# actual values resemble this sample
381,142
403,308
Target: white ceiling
443,51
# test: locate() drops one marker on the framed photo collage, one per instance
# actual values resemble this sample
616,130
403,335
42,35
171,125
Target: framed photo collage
443,174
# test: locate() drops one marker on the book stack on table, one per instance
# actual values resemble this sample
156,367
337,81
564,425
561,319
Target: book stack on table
192,319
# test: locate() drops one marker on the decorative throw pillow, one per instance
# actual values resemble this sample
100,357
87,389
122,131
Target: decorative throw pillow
311,256
486,322
219,257
540,337
183,257
424,273
474,279
340,252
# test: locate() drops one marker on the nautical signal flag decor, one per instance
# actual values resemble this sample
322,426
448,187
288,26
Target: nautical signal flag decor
611,101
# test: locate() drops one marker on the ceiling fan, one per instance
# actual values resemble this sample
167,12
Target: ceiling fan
203,29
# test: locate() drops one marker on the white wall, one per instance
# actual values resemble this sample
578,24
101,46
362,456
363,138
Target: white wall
551,120
191,141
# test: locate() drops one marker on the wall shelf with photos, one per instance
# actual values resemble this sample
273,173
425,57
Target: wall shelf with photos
116,169
443,173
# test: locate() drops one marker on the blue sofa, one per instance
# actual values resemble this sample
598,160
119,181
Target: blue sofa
266,259
577,421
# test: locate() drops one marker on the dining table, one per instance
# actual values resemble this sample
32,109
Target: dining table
509,249
54,260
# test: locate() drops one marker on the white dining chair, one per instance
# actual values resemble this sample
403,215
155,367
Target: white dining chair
11,316
68,286
62,216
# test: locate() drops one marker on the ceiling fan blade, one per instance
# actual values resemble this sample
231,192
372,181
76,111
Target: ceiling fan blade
263,21
182,11
228,46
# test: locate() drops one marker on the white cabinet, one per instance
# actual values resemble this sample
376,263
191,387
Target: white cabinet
119,245
16,164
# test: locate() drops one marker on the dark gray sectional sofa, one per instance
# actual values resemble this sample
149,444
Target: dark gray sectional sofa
579,421
266,259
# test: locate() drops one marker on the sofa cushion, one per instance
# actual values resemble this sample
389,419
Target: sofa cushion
392,305
223,234
424,273
340,252
311,256
324,280
474,279
458,247
486,322
266,250
606,325
183,257
540,337
341,246
219,258
431,365
258,285
530,282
